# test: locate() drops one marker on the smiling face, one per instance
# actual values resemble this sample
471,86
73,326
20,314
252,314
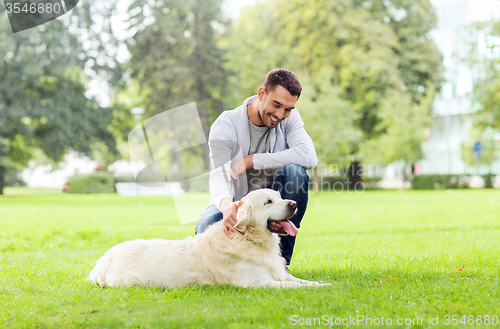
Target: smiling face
275,105
266,209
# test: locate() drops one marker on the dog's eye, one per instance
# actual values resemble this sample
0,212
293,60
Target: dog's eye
268,202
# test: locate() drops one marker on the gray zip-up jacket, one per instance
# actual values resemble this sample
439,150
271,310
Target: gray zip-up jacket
229,141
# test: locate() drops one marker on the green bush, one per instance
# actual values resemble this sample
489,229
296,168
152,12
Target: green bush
423,182
370,183
332,182
98,182
125,179
197,184
12,178
488,180
431,182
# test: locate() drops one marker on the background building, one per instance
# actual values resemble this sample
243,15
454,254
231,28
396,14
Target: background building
451,124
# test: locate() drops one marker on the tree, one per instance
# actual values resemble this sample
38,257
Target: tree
419,60
484,61
42,96
403,122
486,65
174,57
488,149
419,66
362,69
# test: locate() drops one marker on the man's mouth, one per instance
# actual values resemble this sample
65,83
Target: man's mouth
283,227
274,119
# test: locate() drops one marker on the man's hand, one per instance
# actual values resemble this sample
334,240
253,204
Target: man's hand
241,165
229,210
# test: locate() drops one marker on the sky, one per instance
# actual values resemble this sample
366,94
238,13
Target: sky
479,9
233,7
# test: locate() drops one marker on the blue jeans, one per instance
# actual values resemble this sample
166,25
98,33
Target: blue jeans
293,184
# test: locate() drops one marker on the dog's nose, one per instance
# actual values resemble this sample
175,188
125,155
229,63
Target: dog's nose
292,204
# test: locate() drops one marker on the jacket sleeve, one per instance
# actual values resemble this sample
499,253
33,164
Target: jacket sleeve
222,148
300,148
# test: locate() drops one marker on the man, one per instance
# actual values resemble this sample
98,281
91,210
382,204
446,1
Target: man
274,150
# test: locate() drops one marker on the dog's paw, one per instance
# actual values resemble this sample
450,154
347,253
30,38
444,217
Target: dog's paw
324,284
318,284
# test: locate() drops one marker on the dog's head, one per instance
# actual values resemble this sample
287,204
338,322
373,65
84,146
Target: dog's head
266,209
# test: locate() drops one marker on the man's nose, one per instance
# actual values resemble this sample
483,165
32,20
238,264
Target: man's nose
280,114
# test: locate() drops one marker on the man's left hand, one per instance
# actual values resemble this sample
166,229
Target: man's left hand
241,165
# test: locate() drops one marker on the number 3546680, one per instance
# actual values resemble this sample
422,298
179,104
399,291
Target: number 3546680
471,320
31,8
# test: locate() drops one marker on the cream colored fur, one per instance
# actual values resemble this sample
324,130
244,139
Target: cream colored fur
250,260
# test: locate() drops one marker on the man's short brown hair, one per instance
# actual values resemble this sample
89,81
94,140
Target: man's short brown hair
285,78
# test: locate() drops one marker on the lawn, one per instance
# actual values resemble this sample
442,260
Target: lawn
398,256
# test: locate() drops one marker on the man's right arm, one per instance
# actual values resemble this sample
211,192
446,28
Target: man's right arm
223,148
220,143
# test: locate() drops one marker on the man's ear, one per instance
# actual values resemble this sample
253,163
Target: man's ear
244,216
261,92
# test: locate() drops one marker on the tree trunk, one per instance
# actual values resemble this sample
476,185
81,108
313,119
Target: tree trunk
404,174
354,176
199,82
3,154
2,179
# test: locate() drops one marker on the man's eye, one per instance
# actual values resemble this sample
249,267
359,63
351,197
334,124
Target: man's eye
276,106
268,202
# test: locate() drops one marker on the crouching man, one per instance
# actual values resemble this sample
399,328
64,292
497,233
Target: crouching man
260,144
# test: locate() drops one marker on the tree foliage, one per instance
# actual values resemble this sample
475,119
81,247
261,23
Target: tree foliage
486,64
42,96
366,68
174,58
484,61
490,150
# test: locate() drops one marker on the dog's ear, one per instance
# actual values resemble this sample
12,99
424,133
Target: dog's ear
244,216
239,203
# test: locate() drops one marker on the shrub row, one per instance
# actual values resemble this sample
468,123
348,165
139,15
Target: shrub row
97,182
431,182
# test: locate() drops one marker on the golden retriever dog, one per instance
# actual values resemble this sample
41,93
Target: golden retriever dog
252,259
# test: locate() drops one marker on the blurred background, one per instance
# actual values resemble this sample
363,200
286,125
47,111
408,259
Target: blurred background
396,93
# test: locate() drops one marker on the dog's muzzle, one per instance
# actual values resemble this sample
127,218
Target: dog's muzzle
284,227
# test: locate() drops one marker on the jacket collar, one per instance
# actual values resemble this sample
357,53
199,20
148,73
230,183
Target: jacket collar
245,129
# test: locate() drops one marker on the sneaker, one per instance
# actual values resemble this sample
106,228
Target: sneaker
287,270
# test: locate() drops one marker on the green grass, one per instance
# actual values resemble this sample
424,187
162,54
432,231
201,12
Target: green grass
360,242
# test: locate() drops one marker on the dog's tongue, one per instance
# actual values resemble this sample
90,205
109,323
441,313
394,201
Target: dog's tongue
289,227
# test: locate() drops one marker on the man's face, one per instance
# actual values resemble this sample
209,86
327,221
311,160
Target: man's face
275,106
